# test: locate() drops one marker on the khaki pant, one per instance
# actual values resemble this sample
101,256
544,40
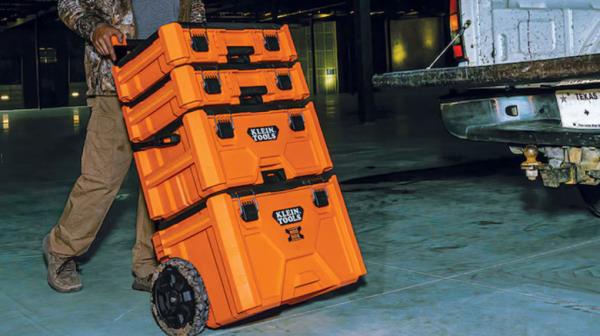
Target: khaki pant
105,162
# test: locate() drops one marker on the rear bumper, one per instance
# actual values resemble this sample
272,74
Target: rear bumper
521,119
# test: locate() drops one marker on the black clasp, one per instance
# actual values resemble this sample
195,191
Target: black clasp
225,129
272,43
212,85
199,43
297,122
249,211
284,82
320,198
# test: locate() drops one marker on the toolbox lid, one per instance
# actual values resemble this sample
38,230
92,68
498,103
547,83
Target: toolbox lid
135,47
244,192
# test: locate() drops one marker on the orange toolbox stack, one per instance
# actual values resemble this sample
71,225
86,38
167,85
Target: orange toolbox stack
235,172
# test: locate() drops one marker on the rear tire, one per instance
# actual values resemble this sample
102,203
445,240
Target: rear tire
591,196
179,300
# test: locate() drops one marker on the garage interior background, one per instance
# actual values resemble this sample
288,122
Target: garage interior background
456,240
407,35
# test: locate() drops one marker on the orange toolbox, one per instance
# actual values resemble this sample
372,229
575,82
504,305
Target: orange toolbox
176,44
242,252
214,149
189,87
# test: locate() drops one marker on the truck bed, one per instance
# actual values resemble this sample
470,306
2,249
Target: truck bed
510,74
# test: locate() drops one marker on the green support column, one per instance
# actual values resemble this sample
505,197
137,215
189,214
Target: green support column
364,64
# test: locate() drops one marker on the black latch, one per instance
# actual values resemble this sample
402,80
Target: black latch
320,198
212,85
297,122
199,43
249,211
284,82
272,43
274,176
225,129
159,142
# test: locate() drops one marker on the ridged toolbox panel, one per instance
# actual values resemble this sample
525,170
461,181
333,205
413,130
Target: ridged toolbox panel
276,145
178,44
188,88
294,249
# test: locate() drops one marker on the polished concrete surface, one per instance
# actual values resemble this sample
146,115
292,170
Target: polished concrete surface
456,241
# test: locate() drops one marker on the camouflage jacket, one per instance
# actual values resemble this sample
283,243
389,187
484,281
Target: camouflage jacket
83,16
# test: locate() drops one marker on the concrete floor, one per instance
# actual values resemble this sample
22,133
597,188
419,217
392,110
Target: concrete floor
473,249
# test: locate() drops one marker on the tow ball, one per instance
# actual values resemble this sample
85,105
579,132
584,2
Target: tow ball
531,165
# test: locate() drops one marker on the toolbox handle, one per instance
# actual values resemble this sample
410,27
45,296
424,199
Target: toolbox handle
123,48
158,142
239,55
252,95
273,176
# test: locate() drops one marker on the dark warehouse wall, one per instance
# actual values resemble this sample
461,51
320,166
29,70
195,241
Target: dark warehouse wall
58,78
60,55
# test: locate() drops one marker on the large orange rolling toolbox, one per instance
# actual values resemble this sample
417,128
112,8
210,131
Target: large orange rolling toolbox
236,173
244,252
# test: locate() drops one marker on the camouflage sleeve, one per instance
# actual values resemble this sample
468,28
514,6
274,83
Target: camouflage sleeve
78,18
198,11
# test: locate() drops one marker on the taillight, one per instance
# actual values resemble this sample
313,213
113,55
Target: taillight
455,28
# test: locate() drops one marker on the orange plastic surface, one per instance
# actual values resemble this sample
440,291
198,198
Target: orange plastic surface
249,267
173,178
173,48
186,90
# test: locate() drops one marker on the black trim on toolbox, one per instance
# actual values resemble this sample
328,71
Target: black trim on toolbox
231,25
206,67
266,107
148,92
221,110
242,66
243,192
139,45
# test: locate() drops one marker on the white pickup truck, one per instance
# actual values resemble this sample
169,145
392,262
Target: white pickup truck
528,75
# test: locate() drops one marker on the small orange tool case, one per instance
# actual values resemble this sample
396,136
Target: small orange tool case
242,252
176,44
214,149
187,88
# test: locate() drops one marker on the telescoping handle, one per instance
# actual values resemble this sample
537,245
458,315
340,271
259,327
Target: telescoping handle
122,48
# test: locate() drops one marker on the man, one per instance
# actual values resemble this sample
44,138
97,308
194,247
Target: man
106,154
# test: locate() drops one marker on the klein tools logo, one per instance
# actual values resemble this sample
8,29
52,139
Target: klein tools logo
289,216
261,134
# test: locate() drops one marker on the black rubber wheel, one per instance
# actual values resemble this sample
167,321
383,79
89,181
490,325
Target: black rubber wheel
591,196
179,300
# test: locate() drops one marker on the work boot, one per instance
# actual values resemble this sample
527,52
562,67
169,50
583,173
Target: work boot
63,275
143,284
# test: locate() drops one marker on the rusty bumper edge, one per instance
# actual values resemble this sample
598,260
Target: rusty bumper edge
553,70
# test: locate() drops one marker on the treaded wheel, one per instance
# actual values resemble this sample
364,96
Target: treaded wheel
179,300
591,196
